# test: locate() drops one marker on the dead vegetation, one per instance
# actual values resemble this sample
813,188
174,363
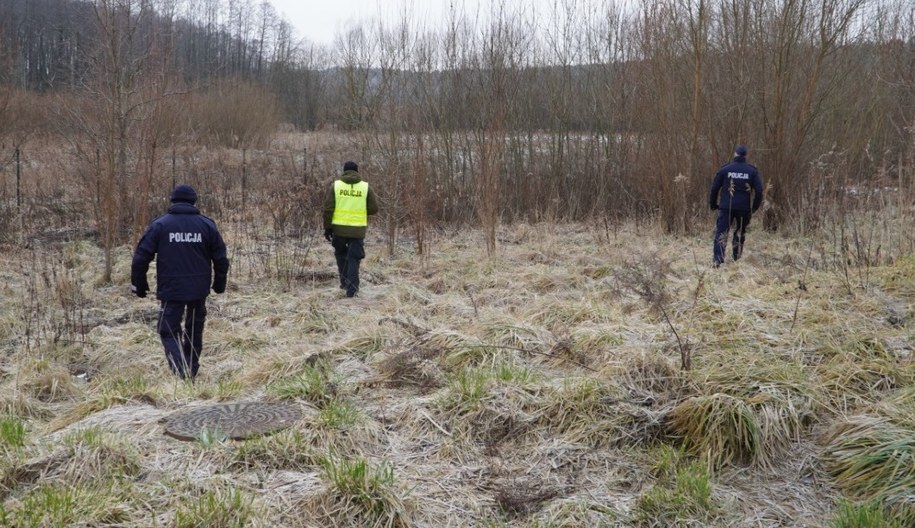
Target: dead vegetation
558,382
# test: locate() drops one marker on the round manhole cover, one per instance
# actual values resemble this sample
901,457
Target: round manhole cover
234,420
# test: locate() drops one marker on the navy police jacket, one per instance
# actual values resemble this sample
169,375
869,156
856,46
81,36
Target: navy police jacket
188,250
735,181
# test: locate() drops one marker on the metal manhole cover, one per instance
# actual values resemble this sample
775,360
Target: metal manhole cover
234,420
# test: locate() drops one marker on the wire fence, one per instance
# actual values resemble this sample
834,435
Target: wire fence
48,194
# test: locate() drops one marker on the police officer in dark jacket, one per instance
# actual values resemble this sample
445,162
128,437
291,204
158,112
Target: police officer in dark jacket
735,182
347,205
190,258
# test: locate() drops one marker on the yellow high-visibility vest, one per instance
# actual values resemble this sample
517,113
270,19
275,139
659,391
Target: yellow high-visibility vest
350,204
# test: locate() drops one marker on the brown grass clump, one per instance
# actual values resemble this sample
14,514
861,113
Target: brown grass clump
53,385
861,369
286,450
518,497
720,427
412,368
25,472
585,410
96,456
456,349
88,457
23,405
652,379
479,410
751,408
872,456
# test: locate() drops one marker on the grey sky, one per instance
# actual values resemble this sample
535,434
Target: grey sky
320,20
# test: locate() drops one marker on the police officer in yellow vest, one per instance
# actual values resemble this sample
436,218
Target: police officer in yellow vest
347,206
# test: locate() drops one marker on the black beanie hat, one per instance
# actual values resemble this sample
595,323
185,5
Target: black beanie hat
184,193
350,166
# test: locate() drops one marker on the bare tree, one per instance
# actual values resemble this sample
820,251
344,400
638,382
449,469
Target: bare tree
120,123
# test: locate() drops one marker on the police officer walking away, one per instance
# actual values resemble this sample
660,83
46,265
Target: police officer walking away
348,204
190,257
735,181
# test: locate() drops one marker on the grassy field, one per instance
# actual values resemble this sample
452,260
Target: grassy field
538,387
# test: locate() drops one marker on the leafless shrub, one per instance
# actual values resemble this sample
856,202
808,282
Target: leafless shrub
647,278
233,114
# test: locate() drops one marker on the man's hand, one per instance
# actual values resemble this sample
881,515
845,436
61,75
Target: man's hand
219,285
329,235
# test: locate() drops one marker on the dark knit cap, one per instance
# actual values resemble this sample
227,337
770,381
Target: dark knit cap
741,150
184,193
350,166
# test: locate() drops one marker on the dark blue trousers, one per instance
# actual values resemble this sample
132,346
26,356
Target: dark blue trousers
182,343
349,251
726,218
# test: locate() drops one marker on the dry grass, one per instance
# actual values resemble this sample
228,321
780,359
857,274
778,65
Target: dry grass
538,387
872,456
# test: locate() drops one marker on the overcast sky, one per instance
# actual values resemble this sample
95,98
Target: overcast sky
320,20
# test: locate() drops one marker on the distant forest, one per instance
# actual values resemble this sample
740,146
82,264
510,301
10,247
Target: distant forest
50,45
637,104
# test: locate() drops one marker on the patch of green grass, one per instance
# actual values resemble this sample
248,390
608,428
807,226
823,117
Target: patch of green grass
224,507
684,501
512,373
466,391
90,504
869,514
219,390
313,384
135,386
91,437
369,490
355,477
663,462
458,350
340,415
12,432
